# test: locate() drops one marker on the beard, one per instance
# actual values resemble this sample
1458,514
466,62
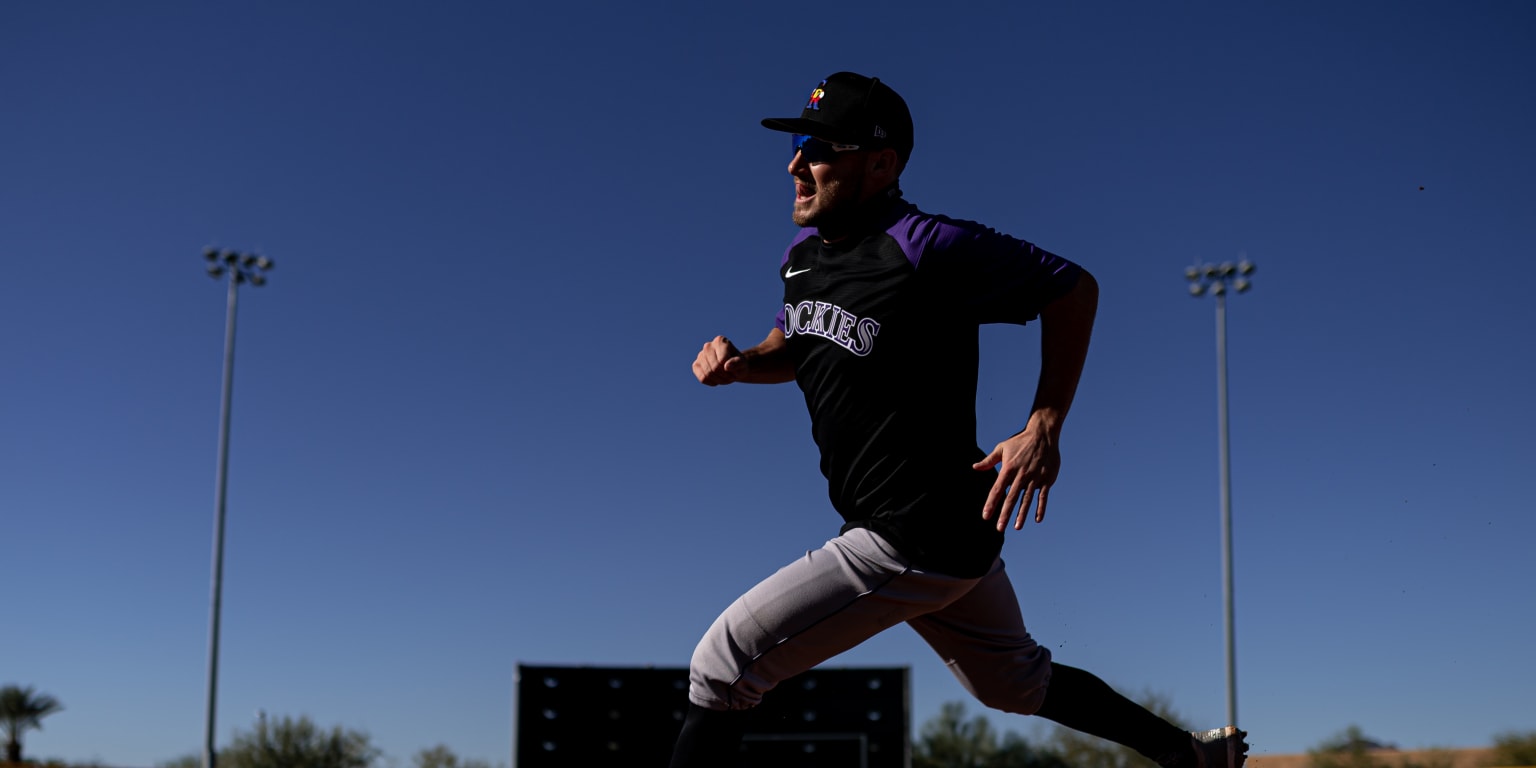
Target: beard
834,205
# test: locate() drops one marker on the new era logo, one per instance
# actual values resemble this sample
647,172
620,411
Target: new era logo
879,132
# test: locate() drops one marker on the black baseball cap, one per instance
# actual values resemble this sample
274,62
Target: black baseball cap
849,108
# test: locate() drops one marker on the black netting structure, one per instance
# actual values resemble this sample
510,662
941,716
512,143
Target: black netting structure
596,717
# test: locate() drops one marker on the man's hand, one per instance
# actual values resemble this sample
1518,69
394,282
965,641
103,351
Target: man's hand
1027,466
719,362
1028,462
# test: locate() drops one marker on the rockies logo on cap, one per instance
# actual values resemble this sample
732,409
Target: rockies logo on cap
816,96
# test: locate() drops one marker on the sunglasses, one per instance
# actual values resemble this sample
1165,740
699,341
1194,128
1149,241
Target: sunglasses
816,150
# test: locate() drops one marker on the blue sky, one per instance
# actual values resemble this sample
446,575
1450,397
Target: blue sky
465,431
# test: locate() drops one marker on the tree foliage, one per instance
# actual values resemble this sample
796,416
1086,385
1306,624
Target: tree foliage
949,740
22,710
290,743
1515,748
51,764
1017,752
441,756
1351,748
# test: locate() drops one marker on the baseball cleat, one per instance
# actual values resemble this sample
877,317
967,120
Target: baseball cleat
1220,748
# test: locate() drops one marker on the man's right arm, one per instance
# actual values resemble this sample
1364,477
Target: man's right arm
719,362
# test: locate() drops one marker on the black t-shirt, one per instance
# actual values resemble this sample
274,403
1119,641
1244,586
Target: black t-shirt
882,328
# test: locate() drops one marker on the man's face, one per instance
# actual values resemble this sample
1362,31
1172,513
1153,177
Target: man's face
828,190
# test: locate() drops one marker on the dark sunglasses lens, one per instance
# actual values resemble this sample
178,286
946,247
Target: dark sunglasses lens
813,150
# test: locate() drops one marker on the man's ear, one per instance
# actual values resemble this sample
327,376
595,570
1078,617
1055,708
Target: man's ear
885,163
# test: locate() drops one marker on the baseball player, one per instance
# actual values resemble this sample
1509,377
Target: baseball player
878,327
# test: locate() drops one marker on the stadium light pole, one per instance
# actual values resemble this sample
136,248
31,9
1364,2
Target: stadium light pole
240,268
1218,280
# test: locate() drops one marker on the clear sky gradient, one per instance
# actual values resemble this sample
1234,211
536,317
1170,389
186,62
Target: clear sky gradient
466,435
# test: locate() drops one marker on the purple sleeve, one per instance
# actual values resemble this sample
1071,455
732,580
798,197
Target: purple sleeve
778,320
999,278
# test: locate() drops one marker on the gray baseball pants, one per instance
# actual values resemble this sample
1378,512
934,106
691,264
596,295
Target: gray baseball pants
851,589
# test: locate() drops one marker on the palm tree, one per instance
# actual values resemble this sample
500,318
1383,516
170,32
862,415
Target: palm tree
22,709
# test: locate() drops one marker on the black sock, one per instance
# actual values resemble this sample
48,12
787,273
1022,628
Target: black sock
710,738
1081,701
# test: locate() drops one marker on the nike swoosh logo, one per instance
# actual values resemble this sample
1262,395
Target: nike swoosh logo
793,272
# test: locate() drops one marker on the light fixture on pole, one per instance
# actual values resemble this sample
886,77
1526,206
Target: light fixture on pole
240,268
1217,279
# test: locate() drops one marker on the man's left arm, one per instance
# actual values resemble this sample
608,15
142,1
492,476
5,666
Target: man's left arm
1028,462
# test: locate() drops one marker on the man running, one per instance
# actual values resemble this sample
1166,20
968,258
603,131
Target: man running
878,327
